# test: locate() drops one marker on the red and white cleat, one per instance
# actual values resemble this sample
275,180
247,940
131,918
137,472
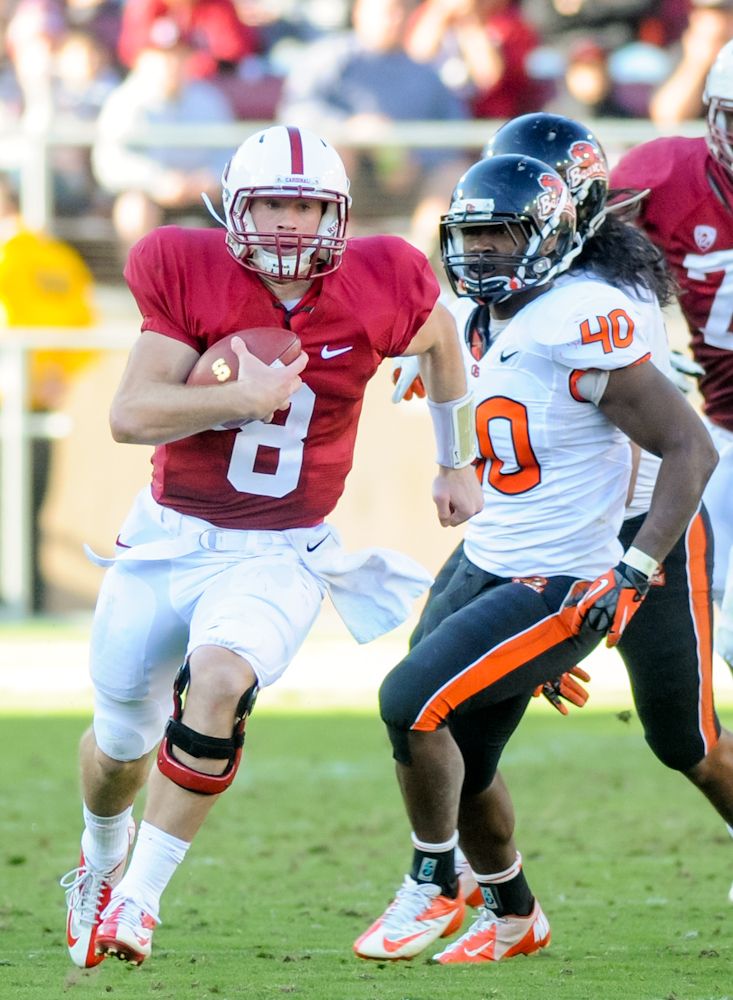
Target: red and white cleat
492,938
418,916
126,931
88,892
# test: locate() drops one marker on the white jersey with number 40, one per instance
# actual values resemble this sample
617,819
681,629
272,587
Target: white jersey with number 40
554,470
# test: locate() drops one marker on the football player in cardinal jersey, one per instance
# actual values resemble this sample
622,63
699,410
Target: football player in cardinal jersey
688,213
223,564
561,375
669,636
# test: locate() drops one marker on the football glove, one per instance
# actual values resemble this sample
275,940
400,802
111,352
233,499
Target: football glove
681,368
610,602
406,379
565,686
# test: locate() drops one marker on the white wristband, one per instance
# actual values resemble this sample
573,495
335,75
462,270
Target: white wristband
454,423
641,561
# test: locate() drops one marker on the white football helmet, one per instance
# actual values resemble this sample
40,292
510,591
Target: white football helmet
286,162
718,96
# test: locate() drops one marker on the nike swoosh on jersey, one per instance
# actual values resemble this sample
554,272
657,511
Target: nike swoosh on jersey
505,357
325,353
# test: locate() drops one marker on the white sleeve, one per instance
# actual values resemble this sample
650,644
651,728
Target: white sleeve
603,329
592,384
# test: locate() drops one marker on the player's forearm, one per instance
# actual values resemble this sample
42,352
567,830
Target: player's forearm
683,474
442,369
645,405
157,413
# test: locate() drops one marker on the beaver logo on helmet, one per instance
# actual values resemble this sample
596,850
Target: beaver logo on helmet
553,196
588,164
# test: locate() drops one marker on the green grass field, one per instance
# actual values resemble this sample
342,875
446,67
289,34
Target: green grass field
629,862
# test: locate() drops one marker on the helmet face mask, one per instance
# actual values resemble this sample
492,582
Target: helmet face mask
480,262
286,163
720,131
718,96
510,227
571,150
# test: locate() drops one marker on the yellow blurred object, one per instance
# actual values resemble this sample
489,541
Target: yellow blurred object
44,282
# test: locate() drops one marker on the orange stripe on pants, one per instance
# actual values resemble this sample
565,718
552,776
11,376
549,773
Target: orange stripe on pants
494,665
696,545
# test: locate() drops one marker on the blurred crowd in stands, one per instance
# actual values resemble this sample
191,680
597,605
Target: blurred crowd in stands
141,64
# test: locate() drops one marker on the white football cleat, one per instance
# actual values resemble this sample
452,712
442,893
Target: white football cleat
418,916
88,892
469,886
125,931
492,938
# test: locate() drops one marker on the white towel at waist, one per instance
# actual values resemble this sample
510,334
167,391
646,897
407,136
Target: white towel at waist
373,589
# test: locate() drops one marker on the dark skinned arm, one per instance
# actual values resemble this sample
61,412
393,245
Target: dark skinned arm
645,405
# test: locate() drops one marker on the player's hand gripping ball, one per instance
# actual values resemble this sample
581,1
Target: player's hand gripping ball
273,346
610,602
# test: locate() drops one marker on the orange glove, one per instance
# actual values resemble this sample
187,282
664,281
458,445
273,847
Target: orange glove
610,602
566,687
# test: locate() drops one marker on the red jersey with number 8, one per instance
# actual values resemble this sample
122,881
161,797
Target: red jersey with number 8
291,472
689,215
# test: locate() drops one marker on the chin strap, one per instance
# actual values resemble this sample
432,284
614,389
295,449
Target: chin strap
198,745
212,211
617,206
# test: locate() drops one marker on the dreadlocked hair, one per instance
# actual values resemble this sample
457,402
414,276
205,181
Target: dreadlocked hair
624,256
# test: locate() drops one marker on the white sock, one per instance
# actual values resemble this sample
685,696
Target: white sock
156,856
105,839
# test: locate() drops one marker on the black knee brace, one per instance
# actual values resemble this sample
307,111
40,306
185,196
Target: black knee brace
198,745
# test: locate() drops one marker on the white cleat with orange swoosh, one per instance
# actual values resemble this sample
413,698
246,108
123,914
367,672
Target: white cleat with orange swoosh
417,917
492,938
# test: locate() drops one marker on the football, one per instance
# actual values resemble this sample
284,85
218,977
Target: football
219,364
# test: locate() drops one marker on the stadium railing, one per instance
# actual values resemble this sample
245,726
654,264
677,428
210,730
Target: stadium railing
27,150
18,426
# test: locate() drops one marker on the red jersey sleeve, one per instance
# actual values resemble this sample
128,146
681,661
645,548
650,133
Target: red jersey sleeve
407,283
153,274
647,166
